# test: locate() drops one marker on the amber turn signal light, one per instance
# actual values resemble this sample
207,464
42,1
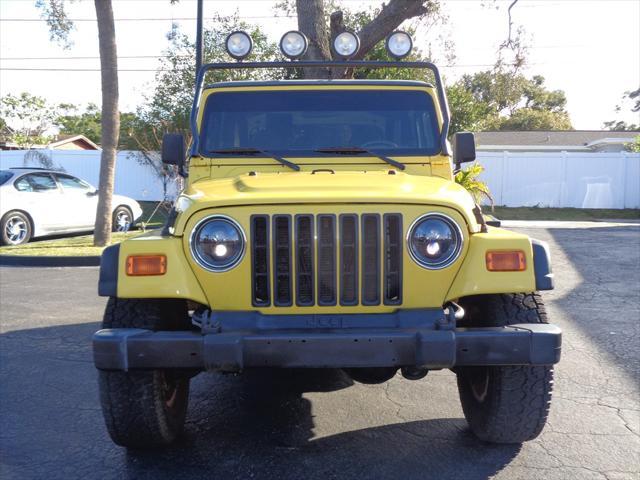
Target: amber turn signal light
142,265
506,261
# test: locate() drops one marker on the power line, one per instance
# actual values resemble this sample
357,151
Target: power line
95,57
91,58
39,69
167,19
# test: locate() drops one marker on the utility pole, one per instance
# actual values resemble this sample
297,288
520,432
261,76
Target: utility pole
199,37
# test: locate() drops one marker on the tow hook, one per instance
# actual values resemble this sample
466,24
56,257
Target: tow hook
414,373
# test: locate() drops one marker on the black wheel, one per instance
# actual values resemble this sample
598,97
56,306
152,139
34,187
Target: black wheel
122,219
505,404
16,228
144,408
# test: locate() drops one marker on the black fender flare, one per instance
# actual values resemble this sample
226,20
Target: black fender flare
108,283
542,265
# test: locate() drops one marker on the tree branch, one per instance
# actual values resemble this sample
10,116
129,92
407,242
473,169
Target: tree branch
337,24
390,17
509,41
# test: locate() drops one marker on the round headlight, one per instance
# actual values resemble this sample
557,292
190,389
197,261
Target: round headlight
399,44
293,44
217,243
346,44
239,44
435,241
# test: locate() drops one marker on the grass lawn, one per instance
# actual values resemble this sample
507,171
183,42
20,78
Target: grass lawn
83,245
68,246
569,214
153,217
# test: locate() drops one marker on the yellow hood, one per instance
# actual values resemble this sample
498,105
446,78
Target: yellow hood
324,187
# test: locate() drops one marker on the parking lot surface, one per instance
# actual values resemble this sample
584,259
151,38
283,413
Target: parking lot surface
318,424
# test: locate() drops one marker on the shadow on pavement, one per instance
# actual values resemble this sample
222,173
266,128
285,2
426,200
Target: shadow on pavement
258,425
604,302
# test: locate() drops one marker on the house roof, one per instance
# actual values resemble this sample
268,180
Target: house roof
558,138
61,141
65,139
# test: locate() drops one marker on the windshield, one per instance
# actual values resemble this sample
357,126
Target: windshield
301,122
4,176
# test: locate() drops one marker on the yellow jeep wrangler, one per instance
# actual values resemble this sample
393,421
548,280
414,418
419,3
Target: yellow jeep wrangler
320,227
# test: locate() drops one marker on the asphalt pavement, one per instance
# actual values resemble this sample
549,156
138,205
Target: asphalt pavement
318,424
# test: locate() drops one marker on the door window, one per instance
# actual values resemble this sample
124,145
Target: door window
72,183
36,182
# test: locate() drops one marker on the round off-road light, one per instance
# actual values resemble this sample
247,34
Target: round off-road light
238,44
346,44
435,241
399,44
293,44
217,243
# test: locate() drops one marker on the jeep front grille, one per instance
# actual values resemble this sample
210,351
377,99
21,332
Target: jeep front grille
326,260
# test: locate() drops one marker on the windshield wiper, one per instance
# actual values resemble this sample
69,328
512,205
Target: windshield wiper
255,151
356,150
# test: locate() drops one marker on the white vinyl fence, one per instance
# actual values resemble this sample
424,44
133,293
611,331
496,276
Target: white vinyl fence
580,180
133,178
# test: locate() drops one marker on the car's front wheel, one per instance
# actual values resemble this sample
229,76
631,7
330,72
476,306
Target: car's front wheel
506,404
144,408
16,228
122,219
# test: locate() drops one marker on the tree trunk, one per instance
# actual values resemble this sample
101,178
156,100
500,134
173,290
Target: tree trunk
110,120
312,22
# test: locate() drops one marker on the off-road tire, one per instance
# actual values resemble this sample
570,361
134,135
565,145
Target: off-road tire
144,408
505,404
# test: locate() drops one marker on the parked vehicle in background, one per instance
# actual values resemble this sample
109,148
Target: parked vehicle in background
36,202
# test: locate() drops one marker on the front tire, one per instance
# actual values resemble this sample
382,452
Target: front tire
15,228
144,408
122,219
507,404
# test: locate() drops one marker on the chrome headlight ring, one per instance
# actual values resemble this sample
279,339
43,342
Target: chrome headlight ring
449,257
225,264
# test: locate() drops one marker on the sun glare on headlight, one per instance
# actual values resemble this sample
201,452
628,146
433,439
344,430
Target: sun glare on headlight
435,241
217,243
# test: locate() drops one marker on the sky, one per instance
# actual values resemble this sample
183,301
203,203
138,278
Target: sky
588,48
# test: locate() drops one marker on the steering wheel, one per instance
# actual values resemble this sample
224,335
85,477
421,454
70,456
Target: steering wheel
379,144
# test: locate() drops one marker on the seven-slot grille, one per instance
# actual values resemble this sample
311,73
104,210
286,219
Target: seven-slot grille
326,259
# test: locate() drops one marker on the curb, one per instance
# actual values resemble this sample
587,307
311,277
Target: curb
42,261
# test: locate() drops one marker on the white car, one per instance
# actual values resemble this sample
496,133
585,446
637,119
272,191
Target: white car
36,202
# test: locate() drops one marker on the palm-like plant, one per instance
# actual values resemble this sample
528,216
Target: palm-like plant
468,178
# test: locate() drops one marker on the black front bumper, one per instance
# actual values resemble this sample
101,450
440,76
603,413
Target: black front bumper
416,338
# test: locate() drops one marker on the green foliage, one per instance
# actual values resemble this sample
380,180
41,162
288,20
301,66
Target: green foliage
467,114
632,97
28,119
621,126
635,146
88,123
526,119
54,13
168,107
504,100
74,122
468,178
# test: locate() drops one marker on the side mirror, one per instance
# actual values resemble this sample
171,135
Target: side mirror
464,148
173,149
92,193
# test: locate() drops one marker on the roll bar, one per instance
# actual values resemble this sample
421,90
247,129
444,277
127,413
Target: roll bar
442,96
